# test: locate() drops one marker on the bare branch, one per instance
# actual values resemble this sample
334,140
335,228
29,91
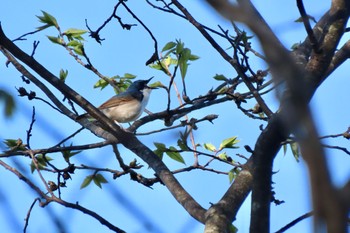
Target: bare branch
295,221
306,21
28,214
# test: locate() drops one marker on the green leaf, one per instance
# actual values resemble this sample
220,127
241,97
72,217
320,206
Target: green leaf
11,142
48,20
99,180
223,156
170,61
129,76
220,77
63,75
210,147
159,153
170,45
193,57
183,145
183,69
229,143
73,33
15,144
173,154
295,150
86,181
157,84
101,83
186,53
231,176
9,103
161,148
78,49
73,43
56,40
41,161
233,229
284,149
67,154
179,47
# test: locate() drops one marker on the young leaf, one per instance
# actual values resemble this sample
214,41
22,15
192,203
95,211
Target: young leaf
169,61
183,68
74,33
220,77
41,161
56,40
183,146
179,47
48,20
233,229
229,143
15,145
223,156
209,146
157,84
99,180
172,153
63,75
78,49
67,154
295,150
73,43
170,45
161,148
86,181
284,149
101,84
231,175
129,76
193,57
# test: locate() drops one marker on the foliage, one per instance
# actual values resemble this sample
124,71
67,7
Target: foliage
294,78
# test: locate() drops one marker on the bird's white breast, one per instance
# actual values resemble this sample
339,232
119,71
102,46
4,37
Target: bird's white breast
128,111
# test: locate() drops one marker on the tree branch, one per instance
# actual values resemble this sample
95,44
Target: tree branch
306,21
127,139
295,109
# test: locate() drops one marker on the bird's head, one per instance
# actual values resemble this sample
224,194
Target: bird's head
140,85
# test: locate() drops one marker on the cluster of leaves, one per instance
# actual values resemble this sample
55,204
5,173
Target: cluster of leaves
14,145
97,178
74,36
175,153
182,57
228,143
122,82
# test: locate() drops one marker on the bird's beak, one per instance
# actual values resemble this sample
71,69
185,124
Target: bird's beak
149,81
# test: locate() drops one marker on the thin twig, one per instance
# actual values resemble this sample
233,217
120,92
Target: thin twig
295,221
29,131
337,148
28,214
310,32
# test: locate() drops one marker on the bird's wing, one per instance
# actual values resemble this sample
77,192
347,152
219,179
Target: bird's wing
116,101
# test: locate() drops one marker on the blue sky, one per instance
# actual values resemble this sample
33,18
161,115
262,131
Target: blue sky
127,204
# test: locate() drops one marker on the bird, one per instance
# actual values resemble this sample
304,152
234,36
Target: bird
127,106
